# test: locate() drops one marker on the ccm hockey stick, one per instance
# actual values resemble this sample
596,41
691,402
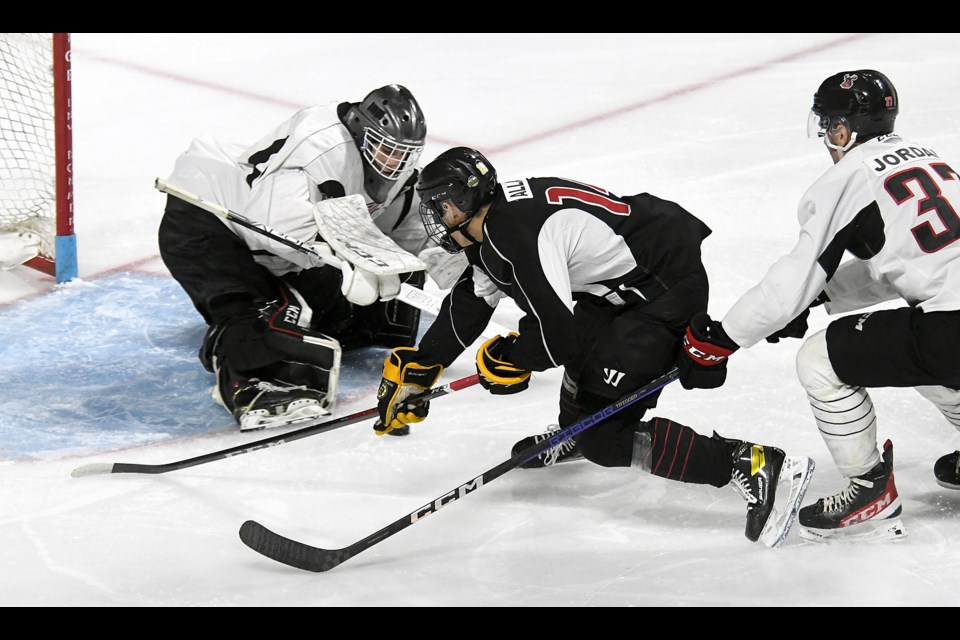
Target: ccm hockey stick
124,467
303,556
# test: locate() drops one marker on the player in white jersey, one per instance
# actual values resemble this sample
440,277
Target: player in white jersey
893,206
277,317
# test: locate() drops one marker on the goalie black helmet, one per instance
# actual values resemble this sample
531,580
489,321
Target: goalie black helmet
389,129
463,176
864,100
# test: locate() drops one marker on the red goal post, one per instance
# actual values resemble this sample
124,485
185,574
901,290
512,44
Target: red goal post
36,147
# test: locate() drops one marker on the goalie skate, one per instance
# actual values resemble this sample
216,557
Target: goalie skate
268,405
792,486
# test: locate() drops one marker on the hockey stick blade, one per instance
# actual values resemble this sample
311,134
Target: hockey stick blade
309,558
98,468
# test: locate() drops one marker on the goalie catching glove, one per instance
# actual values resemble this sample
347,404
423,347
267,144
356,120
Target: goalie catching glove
402,378
498,374
706,347
359,286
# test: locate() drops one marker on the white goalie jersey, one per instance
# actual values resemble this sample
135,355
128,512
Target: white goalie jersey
277,181
893,205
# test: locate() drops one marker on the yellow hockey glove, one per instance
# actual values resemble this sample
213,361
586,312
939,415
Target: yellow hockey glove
497,374
402,378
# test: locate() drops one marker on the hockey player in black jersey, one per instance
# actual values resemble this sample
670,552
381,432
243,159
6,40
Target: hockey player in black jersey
608,285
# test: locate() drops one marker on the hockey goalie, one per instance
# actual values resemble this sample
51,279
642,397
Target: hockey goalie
338,178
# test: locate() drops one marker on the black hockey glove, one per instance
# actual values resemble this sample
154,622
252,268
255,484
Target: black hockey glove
706,347
498,375
797,328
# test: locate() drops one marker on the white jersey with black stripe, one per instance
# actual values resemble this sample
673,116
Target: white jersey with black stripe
277,180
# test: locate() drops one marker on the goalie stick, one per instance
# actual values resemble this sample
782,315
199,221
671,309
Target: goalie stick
408,294
124,467
303,556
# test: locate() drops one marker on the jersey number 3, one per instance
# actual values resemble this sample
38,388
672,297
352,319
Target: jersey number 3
932,200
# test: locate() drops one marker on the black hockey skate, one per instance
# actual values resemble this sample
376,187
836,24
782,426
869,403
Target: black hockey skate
262,404
773,484
566,451
868,509
756,474
947,470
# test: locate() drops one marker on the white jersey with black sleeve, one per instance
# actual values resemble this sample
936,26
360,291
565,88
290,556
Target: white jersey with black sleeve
277,180
891,204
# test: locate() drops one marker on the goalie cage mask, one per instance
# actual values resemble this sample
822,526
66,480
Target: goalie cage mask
389,129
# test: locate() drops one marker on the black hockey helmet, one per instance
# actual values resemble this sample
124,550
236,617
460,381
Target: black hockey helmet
463,176
865,101
389,129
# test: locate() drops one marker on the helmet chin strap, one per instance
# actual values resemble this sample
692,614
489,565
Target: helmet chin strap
463,228
840,150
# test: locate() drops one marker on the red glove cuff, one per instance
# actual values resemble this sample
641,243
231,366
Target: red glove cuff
704,353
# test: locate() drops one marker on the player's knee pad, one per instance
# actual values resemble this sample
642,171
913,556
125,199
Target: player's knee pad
814,370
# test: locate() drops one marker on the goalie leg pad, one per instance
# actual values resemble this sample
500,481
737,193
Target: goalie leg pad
261,358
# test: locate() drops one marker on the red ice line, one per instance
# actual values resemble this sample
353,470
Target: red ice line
530,139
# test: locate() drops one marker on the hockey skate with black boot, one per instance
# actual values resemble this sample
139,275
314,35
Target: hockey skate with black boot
773,484
947,470
566,451
868,509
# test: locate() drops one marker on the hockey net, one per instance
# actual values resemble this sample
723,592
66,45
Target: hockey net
36,190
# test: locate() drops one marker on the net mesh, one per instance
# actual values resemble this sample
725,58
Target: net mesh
27,136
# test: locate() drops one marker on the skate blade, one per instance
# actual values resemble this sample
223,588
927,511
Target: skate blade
796,473
889,530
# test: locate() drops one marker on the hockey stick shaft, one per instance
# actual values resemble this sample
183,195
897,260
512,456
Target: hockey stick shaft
272,441
162,185
303,556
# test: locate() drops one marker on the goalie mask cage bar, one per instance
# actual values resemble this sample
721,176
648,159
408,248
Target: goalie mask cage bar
36,147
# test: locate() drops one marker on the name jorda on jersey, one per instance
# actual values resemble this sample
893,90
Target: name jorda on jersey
884,162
